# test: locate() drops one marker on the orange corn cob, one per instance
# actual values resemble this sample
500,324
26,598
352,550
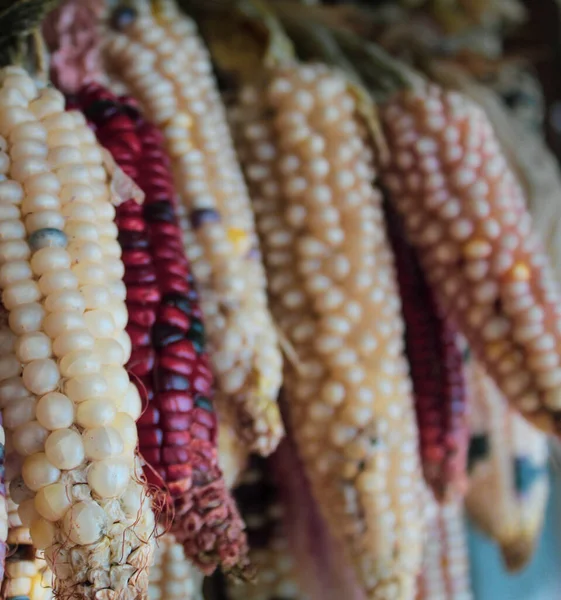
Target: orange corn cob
465,213
332,289
166,67
509,484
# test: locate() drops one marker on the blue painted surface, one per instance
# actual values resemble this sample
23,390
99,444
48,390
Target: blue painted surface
541,580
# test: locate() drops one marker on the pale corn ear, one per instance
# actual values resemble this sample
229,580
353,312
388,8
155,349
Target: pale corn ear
465,213
310,167
60,278
166,67
173,576
509,480
232,453
445,573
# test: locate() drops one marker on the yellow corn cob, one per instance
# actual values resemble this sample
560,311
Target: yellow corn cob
173,577
232,453
166,67
445,574
509,483
333,292
64,392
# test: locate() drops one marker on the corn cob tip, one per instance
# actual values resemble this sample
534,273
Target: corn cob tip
517,554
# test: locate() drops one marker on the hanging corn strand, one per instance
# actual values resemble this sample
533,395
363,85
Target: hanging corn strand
333,294
163,63
61,285
509,483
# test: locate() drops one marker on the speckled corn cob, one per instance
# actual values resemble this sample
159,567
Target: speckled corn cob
178,427
64,393
509,483
173,577
445,574
166,67
436,371
333,292
465,213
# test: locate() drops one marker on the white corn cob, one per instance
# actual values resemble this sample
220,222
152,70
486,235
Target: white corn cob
445,573
509,486
166,67
64,392
173,577
333,293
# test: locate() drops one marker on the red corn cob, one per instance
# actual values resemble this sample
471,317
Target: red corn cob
177,431
436,370
465,213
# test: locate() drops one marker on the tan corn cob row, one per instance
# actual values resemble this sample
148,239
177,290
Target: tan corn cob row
333,294
445,573
166,67
93,518
510,513
232,453
173,577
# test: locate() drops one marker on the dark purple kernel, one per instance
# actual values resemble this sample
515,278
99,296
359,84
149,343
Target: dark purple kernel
163,335
167,381
204,215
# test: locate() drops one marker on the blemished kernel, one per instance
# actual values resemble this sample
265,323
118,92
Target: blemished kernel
336,233
486,249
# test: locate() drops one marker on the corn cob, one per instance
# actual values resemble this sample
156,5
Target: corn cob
307,158
436,371
445,574
465,213
3,505
167,69
509,484
232,453
173,577
178,427
65,394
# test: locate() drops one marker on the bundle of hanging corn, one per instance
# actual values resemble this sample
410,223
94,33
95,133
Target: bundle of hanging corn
509,482
163,63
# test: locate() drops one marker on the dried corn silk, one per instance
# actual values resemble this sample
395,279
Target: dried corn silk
334,297
166,67
465,213
445,573
262,511
81,486
509,484
432,347
173,577
178,428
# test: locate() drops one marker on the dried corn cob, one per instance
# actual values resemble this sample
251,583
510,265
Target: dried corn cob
166,67
445,574
509,483
178,428
333,293
436,371
3,505
64,392
465,213
173,577
232,453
